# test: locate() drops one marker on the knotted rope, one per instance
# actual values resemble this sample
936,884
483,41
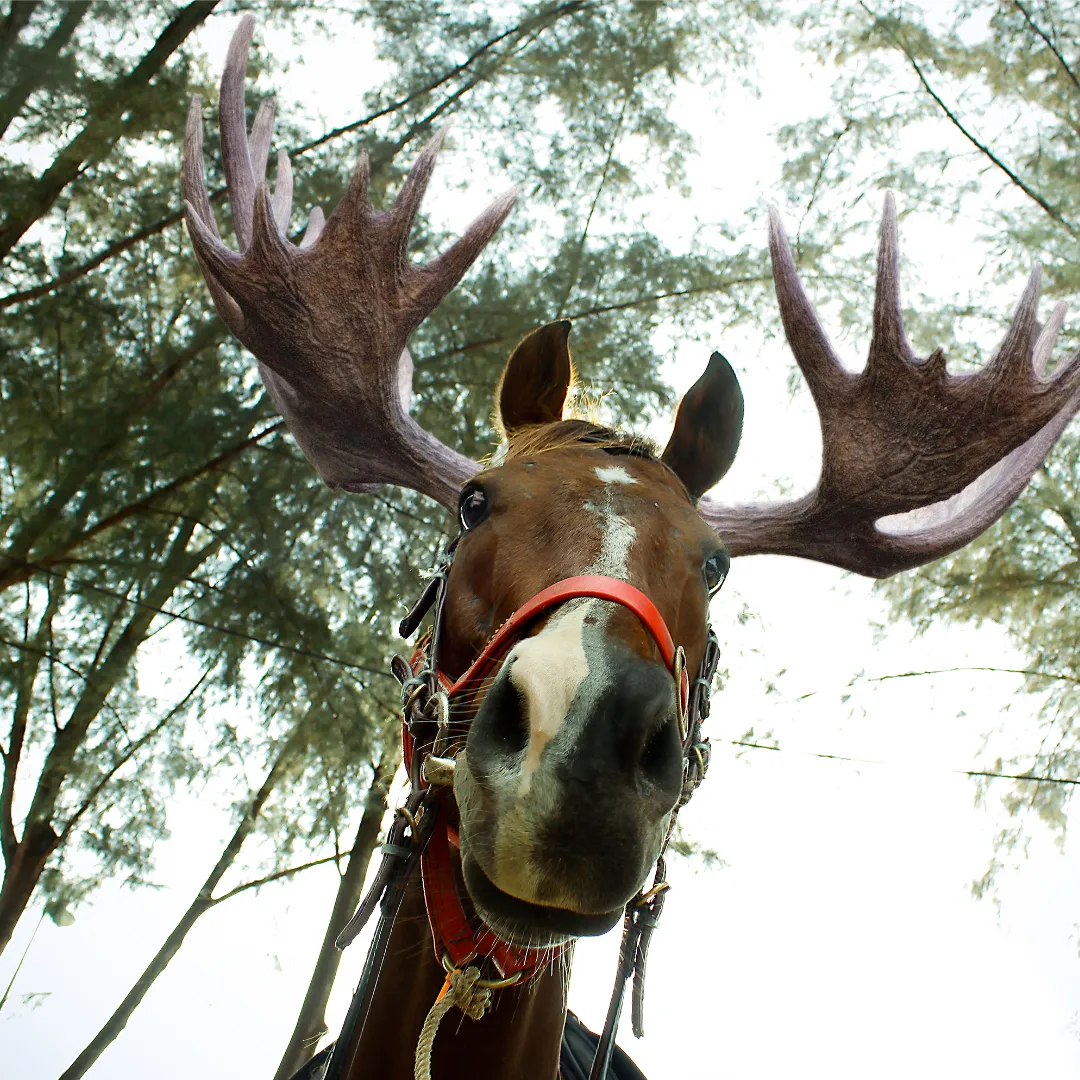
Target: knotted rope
460,989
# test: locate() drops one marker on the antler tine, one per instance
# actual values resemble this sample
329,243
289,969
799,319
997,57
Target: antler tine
808,340
210,251
283,192
316,224
269,248
1044,346
889,344
412,191
200,215
262,131
354,210
1014,360
236,155
193,167
443,272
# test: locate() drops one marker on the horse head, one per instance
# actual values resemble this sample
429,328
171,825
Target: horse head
572,756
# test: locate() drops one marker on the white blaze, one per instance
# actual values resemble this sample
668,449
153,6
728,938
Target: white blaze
548,668
614,474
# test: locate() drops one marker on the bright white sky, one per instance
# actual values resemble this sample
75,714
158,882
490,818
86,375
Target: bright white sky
838,938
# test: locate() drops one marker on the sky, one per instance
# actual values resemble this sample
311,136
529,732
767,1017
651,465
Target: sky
836,934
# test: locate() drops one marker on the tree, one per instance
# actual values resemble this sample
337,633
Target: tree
945,107
150,503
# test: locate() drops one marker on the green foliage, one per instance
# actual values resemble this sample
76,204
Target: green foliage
155,517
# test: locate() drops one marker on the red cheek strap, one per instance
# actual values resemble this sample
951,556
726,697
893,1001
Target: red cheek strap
596,586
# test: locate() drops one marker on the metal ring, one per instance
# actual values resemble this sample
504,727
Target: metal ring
700,758
407,702
656,890
678,665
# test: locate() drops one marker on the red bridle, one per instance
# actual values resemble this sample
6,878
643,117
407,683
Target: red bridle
596,586
457,942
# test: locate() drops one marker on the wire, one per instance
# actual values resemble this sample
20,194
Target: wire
870,761
295,650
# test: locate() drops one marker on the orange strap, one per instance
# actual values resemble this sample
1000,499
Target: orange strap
592,585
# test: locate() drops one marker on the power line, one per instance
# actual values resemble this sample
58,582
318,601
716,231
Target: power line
871,761
312,654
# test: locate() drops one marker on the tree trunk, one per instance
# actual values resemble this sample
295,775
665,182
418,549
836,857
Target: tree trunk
21,876
203,902
102,130
311,1022
40,838
37,69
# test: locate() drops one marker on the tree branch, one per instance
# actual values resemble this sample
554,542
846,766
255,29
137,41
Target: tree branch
60,554
34,70
983,149
115,430
1028,672
117,247
131,751
103,129
178,563
284,762
24,694
17,17
180,617
519,30
257,883
311,1020
605,309
1049,44
574,272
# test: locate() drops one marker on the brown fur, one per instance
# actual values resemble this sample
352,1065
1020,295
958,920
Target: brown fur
535,536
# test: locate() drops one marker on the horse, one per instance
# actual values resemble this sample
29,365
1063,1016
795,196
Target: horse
553,712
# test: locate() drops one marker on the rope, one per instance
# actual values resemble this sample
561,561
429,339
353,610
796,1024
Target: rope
460,989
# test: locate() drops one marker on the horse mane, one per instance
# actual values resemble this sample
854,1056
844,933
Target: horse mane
540,438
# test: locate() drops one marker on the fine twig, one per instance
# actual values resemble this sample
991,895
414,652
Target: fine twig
78,584
542,20
1049,44
955,120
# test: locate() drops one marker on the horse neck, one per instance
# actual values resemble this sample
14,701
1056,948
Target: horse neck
520,1036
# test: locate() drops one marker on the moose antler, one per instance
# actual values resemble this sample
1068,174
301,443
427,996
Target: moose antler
916,461
328,319
906,437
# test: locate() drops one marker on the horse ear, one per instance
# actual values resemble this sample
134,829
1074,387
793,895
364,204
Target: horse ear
535,380
708,427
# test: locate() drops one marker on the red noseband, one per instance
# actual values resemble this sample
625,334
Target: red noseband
596,586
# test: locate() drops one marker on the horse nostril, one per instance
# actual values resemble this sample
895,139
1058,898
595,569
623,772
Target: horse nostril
661,752
510,725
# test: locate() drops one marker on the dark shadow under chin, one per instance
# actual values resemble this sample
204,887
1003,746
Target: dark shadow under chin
525,924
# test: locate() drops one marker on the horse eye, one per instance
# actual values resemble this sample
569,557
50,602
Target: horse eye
716,570
472,506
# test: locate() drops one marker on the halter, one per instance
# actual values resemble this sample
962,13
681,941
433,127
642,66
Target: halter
427,699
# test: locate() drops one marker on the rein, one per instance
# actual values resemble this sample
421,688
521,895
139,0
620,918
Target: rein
420,832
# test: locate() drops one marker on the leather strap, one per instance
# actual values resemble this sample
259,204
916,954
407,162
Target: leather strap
453,934
455,937
596,586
